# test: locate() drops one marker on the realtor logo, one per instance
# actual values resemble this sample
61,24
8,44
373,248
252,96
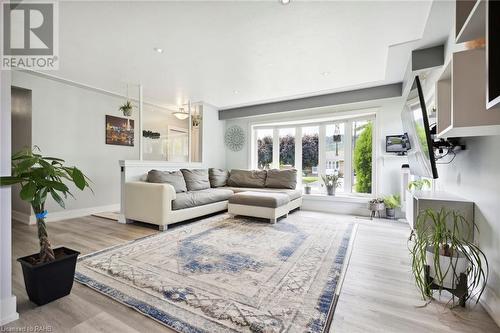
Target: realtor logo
29,32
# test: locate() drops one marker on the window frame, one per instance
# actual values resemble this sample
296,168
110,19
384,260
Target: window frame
310,122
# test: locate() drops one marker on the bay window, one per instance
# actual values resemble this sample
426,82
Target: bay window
344,147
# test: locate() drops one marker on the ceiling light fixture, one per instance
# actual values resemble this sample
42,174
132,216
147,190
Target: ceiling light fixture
285,2
181,114
157,49
236,92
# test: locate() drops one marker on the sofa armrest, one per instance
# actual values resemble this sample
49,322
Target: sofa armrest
148,202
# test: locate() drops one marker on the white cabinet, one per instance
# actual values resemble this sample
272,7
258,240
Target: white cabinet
460,98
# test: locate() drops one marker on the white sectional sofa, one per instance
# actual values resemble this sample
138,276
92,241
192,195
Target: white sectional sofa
164,199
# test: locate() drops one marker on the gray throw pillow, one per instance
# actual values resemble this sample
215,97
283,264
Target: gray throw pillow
196,179
218,177
247,178
174,178
282,178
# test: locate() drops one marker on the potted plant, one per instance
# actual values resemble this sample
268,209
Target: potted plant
391,203
376,206
442,251
331,182
49,274
126,108
307,181
418,185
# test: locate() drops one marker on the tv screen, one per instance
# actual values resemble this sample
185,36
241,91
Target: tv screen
416,125
493,54
396,143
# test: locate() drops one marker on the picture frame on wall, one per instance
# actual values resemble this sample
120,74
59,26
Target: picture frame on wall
119,131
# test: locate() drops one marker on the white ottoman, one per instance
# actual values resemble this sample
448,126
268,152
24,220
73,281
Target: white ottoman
259,204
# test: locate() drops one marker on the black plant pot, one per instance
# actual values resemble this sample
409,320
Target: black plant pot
390,213
49,281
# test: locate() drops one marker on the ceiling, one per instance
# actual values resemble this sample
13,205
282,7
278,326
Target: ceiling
239,53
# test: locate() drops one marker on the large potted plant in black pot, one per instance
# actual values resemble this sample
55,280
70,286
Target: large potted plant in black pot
49,274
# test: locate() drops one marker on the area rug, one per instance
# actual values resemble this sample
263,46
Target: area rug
229,274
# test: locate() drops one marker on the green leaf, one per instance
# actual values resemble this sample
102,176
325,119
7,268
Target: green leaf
79,179
25,164
9,180
53,159
28,191
59,186
57,198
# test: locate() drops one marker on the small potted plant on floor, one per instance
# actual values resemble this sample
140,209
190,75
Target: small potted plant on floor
444,255
391,203
49,274
331,182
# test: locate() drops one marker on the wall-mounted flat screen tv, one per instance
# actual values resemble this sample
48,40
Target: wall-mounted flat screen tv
416,125
493,54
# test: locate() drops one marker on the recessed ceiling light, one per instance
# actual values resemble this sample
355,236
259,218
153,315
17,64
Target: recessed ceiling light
236,92
285,2
325,73
157,49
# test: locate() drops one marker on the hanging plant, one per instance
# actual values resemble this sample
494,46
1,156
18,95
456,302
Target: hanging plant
126,108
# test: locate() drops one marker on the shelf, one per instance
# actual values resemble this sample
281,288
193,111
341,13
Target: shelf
460,96
474,26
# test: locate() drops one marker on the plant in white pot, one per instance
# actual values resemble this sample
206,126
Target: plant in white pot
49,274
331,182
418,185
443,255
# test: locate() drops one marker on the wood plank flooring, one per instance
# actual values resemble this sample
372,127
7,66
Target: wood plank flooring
378,294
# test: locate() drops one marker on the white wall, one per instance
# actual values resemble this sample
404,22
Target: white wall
7,300
69,122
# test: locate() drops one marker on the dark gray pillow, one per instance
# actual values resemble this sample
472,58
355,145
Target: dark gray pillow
196,179
174,178
218,177
282,178
247,178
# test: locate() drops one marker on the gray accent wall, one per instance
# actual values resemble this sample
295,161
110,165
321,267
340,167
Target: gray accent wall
339,98
21,136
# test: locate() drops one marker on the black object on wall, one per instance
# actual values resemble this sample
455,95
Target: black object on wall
493,53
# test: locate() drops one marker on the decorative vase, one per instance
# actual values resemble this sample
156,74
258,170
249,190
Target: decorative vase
390,213
307,190
330,189
451,267
127,112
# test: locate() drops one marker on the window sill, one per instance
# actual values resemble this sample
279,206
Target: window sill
337,198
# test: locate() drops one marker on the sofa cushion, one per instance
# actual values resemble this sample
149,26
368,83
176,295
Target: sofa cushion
247,178
174,178
218,177
281,178
199,198
292,194
260,199
196,179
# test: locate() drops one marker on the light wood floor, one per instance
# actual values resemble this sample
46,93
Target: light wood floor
378,294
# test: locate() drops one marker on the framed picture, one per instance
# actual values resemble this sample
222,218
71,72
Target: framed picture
119,131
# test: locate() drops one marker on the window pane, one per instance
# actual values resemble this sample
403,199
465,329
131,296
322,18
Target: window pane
362,156
287,148
310,147
334,152
264,148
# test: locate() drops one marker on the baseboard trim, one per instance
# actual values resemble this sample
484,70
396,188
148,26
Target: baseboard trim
64,214
8,311
491,303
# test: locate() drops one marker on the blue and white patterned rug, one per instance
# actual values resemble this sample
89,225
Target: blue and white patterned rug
226,274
